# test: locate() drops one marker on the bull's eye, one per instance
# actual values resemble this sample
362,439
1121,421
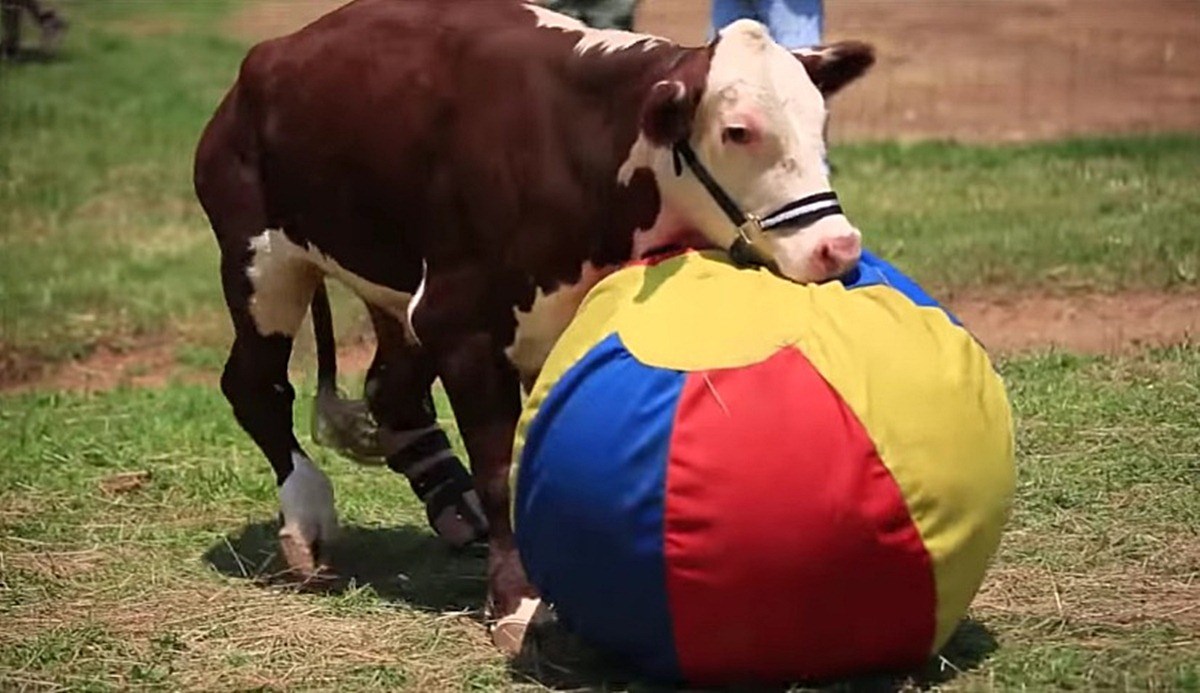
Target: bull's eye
737,134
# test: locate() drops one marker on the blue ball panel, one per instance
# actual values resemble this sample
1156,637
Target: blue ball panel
873,271
590,503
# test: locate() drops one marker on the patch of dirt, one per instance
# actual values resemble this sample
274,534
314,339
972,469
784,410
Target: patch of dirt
356,357
1089,323
153,362
265,19
125,482
17,367
147,364
1006,324
1001,70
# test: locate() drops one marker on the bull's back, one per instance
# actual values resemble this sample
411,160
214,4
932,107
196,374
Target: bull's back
382,65
366,102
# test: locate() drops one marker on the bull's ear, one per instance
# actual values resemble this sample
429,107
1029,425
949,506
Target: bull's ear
834,66
668,111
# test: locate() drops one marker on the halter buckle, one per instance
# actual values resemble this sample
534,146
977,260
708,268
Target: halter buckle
747,249
751,230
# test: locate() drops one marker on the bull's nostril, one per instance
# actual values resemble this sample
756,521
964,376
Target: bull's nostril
843,249
847,245
826,258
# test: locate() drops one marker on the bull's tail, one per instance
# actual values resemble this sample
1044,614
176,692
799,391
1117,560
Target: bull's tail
322,322
345,425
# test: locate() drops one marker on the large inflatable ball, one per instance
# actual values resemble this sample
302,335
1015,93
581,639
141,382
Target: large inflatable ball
725,476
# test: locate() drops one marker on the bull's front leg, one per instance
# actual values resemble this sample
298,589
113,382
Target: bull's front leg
484,391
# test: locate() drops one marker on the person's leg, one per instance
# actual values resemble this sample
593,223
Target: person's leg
725,12
53,27
10,32
795,24
51,24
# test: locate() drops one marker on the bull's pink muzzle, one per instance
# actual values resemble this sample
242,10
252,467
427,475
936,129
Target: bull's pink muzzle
835,255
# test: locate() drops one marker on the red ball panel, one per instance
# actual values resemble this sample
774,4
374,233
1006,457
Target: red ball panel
790,551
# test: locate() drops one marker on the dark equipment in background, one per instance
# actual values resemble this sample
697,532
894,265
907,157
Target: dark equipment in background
600,14
50,22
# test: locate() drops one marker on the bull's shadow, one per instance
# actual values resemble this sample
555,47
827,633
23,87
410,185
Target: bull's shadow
405,564
401,564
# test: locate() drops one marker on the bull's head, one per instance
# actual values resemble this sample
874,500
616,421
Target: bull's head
749,116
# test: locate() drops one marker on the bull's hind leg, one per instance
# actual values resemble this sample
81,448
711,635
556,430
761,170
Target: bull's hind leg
396,423
268,286
268,289
398,392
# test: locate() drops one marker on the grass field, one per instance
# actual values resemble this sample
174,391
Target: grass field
136,524
110,580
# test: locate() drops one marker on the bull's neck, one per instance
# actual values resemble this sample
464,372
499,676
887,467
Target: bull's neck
624,73
616,84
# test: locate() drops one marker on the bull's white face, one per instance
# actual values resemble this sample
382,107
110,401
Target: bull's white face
759,129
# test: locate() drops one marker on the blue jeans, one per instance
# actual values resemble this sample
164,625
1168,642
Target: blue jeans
792,23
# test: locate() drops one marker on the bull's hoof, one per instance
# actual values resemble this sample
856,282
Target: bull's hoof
452,506
459,523
299,555
508,633
346,425
458,532
306,560
308,518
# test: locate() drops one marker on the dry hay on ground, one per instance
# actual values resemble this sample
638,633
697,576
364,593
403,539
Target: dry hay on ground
227,637
1115,597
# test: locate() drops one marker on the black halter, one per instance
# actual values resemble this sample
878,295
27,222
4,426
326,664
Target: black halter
800,213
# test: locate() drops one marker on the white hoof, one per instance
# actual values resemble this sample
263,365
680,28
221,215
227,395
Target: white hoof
508,634
310,523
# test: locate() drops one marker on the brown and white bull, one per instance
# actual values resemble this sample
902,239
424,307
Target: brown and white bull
470,169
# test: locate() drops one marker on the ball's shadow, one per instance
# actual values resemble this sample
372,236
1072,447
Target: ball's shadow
556,659
409,566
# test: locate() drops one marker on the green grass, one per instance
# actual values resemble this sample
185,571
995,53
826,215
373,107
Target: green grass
99,231
1095,585
101,238
1095,214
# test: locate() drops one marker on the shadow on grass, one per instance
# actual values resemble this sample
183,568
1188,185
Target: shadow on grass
557,660
400,564
404,564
